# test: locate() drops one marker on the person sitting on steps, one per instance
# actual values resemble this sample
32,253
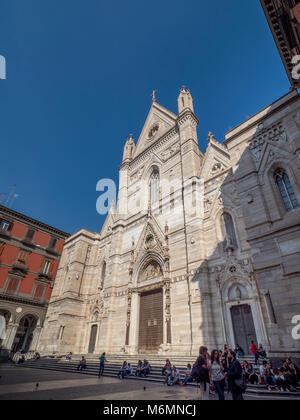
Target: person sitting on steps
188,375
123,371
139,368
146,368
82,364
239,351
251,375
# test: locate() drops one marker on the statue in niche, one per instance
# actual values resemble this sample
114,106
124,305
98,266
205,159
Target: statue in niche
238,293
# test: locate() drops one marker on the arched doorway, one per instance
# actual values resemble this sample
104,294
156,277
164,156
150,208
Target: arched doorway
93,338
24,334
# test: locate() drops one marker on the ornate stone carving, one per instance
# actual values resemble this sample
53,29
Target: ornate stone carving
170,151
150,242
274,134
152,270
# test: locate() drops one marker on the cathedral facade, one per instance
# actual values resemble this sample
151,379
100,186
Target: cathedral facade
200,249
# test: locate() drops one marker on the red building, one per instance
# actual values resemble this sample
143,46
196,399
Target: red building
30,252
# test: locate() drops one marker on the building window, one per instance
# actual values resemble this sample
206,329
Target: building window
286,190
12,286
230,238
46,266
5,225
154,187
39,291
103,274
30,234
52,243
22,257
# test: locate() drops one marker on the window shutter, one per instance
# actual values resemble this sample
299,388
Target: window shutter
51,267
42,264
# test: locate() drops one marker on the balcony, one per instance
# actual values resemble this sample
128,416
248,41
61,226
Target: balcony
28,241
52,250
20,266
5,233
22,298
47,277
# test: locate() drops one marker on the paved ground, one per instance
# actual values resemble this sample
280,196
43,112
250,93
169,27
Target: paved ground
18,383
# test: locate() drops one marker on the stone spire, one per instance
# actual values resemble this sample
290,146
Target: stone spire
185,100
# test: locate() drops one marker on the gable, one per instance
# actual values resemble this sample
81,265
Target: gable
158,122
216,161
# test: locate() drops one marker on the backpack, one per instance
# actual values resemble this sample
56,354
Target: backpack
200,374
241,383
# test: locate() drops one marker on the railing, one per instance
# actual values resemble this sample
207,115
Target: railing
13,295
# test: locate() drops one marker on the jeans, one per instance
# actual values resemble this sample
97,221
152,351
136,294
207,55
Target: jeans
122,374
270,378
145,372
220,386
187,379
101,369
176,380
256,358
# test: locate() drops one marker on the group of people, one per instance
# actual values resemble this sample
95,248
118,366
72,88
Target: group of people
218,371
286,378
142,369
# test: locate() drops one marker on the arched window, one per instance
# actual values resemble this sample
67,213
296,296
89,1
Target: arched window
229,230
286,190
154,187
103,274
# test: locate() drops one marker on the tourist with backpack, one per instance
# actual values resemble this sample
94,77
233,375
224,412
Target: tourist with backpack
236,380
200,373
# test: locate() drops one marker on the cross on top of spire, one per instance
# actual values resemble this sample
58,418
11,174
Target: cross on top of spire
211,137
153,94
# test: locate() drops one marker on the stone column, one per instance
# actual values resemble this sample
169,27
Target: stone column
10,336
168,335
134,324
35,339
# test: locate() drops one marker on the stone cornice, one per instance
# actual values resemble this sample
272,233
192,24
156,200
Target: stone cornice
186,116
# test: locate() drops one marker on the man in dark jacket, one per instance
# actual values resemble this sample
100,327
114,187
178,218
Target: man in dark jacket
234,372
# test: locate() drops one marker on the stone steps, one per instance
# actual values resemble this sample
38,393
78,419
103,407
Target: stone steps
111,370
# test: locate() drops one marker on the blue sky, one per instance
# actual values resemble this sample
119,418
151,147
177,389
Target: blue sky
79,79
